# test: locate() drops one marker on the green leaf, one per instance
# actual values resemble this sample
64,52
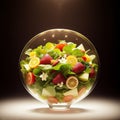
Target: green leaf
87,70
55,53
68,48
37,70
59,96
39,51
66,69
49,46
57,67
77,53
45,67
23,70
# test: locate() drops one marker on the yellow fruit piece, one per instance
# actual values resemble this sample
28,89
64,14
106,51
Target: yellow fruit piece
32,54
72,60
34,62
43,51
53,61
72,82
49,46
87,58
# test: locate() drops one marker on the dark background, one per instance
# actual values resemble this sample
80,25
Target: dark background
96,19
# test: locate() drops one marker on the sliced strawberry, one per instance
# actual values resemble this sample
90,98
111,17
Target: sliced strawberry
58,79
60,46
30,78
78,68
92,73
46,59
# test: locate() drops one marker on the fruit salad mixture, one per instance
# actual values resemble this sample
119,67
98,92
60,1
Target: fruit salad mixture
59,72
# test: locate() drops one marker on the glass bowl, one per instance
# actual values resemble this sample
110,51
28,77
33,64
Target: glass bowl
59,67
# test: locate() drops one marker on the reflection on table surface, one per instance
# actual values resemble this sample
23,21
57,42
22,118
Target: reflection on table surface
87,109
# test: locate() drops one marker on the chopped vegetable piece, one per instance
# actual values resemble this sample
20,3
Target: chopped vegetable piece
60,46
30,78
48,91
73,92
84,76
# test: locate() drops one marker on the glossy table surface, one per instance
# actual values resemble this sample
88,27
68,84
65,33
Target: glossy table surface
30,109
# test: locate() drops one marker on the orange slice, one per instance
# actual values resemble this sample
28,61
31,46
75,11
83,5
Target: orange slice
34,62
72,60
72,82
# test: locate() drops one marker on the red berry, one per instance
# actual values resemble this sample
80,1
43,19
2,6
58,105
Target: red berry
46,59
59,78
92,73
78,68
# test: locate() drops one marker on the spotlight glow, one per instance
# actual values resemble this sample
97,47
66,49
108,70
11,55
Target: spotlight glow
30,109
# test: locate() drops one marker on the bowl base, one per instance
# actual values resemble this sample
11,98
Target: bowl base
59,106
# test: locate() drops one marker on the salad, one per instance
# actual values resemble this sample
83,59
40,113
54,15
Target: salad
59,72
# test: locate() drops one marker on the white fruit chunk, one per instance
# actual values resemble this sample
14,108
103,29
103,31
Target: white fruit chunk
84,76
81,47
27,67
73,92
92,57
48,91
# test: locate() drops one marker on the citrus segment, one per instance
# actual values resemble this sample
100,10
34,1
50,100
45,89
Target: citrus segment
72,60
34,62
32,54
72,82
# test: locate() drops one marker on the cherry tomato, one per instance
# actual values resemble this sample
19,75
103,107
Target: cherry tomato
30,78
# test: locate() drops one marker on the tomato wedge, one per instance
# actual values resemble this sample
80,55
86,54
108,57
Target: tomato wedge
60,46
30,78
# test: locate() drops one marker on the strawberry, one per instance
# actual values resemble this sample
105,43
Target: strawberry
58,79
46,59
78,68
92,73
